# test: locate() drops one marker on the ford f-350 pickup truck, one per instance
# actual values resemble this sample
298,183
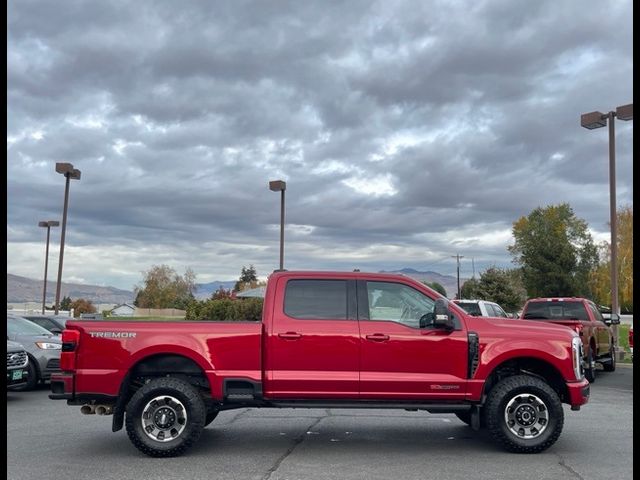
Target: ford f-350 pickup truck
333,340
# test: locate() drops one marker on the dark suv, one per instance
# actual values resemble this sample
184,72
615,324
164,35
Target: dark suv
583,316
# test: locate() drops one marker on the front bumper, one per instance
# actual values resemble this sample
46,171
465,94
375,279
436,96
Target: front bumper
578,393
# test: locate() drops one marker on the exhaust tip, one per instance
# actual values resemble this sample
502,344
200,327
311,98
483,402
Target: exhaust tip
88,409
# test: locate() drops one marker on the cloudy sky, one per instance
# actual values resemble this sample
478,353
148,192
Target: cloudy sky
407,132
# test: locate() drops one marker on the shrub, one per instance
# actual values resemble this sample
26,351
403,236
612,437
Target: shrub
225,309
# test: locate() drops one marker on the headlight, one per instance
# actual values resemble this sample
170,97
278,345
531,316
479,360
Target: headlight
49,346
576,347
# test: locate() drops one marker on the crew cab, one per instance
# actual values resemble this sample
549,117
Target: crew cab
583,316
331,340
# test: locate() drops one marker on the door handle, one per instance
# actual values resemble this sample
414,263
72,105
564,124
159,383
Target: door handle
378,337
290,335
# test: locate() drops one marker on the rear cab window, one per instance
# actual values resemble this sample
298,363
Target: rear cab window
555,310
472,308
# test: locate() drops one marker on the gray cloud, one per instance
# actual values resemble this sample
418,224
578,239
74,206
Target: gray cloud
406,131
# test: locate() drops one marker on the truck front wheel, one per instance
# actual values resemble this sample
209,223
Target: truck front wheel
524,414
165,417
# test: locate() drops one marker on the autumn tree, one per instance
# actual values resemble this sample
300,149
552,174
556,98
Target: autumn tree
601,277
221,293
163,288
81,306
555,251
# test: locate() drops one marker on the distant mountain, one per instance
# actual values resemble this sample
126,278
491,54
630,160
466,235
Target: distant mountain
449,282
23,289
204,290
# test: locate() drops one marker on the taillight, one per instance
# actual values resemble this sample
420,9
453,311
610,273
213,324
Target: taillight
70,341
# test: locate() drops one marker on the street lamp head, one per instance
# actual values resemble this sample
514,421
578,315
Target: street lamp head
277,185
625,112
50,223
593,120
67,170
64,168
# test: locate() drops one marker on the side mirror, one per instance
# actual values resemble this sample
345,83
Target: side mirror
442,316
611,318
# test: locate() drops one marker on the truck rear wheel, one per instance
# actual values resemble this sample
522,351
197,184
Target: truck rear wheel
165,417
524,414
610,366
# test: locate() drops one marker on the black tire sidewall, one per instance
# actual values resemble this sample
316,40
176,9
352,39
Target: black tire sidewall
590,371
502,395
194,406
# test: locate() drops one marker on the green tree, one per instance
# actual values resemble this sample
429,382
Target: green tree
248,279
502,286
65,304
470,289
437,287
164,288
555,251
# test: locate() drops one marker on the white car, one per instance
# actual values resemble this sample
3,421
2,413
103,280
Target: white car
482,308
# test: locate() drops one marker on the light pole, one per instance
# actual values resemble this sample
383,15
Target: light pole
48,225
457,256
69,172
280,186
591,121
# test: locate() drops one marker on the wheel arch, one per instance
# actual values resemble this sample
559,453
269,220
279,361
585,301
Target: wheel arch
533,366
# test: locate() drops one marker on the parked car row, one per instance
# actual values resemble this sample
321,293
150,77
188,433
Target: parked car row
33,352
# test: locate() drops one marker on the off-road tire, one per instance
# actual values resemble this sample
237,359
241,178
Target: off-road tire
495,411
194,406
610,366
590,369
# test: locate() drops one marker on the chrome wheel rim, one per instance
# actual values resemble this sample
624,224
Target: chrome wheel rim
526,416
164,418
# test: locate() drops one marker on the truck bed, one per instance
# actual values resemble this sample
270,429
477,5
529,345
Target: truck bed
108,349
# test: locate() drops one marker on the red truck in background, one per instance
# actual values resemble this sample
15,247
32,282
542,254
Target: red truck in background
332,340
583,316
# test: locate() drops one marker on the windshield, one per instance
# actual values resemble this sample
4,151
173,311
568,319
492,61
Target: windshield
560,310
22,326
472,308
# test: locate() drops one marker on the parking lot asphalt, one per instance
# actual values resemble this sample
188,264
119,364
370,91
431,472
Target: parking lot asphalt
47,439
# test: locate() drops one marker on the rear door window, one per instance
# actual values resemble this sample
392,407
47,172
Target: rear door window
316,299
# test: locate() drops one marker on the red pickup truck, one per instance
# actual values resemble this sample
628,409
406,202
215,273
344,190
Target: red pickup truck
583,316
332,340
